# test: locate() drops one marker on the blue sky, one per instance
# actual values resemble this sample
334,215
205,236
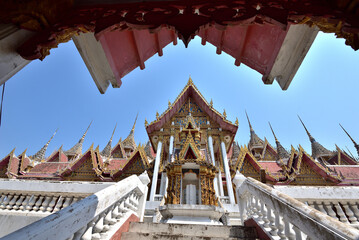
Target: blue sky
60,93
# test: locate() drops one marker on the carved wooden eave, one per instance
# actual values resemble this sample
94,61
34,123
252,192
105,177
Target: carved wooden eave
341,158
329,176
73,166
190,90
138,154
246,155
118,147
5,163
267,147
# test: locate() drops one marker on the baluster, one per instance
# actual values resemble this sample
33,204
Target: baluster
3,196
330,211
298,233
51,204
350,214
38,203
255,208
249,207
311,204
108,219
354,207
58,204
88,233
5,201
265,216
279,225
261,213
45,203
31,203
115,212
289,233
341,214
12,202
18,202
242,208
320,207
67,202
272,224
77,235
25,203
75,199
99,224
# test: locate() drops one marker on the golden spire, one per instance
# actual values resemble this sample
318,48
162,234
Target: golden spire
355,144
224,113
236,122
130,140
211,103
157,115
275,138
146,123
169,104
282,154
249,122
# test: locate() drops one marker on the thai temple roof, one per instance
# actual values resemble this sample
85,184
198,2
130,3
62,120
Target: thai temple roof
317,149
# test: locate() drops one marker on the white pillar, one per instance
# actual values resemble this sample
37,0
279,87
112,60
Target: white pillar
215,180
170,151
155,171
228,174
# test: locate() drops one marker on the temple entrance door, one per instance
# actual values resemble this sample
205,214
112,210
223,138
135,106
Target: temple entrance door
190,187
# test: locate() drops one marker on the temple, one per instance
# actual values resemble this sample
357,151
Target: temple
196,174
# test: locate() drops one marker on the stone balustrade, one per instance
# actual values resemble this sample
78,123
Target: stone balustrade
98,216
41,203
340,203
224,200
283,217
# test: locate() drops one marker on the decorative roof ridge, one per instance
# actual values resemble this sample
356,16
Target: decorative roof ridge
40,155
355,144
190,84
107,149
317,149
11,154
77,148
325,169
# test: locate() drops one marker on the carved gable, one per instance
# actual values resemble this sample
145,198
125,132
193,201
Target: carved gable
84,172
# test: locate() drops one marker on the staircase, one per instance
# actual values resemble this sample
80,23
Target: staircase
159,231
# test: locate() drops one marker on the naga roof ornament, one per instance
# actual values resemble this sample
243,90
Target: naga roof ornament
282,154
107,150
77,149
317,149
355,144
129,142
254,139
40,155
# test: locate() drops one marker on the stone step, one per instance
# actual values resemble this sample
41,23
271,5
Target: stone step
154,236
214,231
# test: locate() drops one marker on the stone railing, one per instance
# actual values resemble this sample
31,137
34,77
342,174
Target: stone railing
99,216
41,203
340,203
283,217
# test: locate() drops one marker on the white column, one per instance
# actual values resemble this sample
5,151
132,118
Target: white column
228,174
155,171
215,180
170,151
